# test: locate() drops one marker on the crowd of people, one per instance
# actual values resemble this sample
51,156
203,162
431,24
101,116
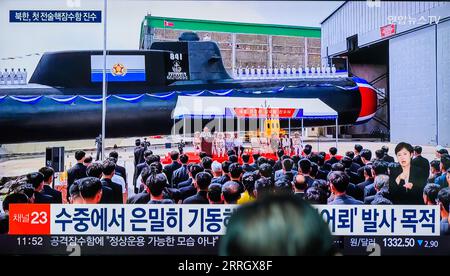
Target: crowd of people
356,177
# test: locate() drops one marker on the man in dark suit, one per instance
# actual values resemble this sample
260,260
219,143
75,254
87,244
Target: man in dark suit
339,183
277,165
90,189
347,162
149,159
246,166
36,179
368,179
108,169
445,165
357,159
333,159
231,192
366,156
169,169
285,176
255,159
77,171
96,170
120,171
181,174
378,168
186,191
225,173
299,186
304,168
387,157
138,153
421,162
48,180
202,181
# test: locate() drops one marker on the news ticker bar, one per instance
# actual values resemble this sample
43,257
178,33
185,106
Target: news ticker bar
197,219
76,245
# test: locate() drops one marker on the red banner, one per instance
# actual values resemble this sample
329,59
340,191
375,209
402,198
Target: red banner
387,30
265,112
168,24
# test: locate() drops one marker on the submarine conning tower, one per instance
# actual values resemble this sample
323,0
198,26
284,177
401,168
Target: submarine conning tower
204,58
187,60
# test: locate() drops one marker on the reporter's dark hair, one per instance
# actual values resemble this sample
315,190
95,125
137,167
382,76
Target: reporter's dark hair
403,145
358,148
300,229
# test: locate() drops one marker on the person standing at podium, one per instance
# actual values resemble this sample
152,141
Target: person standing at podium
206,144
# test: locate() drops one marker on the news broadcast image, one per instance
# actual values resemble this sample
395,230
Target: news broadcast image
230,130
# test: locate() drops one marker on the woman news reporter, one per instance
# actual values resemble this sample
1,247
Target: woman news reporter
406,182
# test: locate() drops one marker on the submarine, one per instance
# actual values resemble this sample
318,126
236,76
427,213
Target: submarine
148,89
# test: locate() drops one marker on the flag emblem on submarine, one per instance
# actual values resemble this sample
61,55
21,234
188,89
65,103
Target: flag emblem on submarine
118,70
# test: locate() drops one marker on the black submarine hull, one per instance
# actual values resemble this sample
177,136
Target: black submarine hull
64,100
